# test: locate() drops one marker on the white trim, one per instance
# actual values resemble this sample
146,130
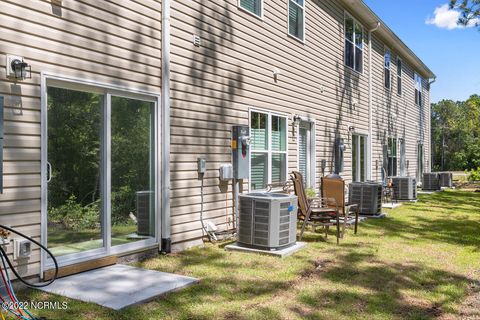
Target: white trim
304,19
269,150
250,12
107,90
43,171
355,21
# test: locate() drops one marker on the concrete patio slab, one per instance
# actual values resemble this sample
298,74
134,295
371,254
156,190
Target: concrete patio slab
428,192
118,286
278,253
391,205
373,216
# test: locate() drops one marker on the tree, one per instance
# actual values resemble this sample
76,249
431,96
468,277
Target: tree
470,11
456,134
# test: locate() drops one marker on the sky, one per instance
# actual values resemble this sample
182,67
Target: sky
429,28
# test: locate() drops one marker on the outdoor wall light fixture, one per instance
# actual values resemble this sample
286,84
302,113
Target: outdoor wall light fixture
296,122
351,129
17,68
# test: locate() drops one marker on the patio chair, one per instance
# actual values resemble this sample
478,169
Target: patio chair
314,212
333,187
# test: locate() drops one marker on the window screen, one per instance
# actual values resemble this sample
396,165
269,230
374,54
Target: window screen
254,6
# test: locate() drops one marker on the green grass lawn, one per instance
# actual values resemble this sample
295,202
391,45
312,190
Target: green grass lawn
421,262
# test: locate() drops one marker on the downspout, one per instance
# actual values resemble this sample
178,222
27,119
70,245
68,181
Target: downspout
430,150
370,101
166,242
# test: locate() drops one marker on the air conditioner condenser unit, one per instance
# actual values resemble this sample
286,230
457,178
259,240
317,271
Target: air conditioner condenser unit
404,188
267,220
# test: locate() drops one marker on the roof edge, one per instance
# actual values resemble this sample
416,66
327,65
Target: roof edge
365,13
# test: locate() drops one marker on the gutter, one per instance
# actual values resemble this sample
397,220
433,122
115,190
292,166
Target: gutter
370,101
432,81
165,224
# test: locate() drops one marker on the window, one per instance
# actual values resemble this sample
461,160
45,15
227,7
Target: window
306,152
387,59
392,157
418,89
399,76
359,158
353,44
253,6
296,18
268,159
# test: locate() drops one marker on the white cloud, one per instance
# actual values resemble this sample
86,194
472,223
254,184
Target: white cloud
447,18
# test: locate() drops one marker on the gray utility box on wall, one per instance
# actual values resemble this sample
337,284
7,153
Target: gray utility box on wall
404,188
241,152
431,181
368,196
446,179
267,220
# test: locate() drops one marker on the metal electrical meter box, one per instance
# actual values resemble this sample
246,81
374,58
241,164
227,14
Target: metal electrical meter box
241,152
201,165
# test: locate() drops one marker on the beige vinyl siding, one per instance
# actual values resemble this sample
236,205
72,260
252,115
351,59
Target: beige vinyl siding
112,42
214,85
401,112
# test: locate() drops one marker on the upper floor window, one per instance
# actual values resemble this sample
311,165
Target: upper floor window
399,76
353,44
418,89
296,18
387,58
253,6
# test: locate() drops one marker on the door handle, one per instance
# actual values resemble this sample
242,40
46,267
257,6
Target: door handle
49,169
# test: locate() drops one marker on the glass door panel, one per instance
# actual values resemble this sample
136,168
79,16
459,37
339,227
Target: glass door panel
133,194
74,154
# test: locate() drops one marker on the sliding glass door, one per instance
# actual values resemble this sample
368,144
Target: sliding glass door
102,171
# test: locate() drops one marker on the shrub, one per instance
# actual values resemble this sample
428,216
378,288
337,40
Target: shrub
310,193
72,215
474,174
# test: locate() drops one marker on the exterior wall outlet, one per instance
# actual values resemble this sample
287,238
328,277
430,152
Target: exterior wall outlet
22,248
4,237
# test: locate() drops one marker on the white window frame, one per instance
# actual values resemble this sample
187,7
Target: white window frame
399,76
107,90
269,150
387,67
357,178
304,19
311,151
418,89
355,22
250,12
